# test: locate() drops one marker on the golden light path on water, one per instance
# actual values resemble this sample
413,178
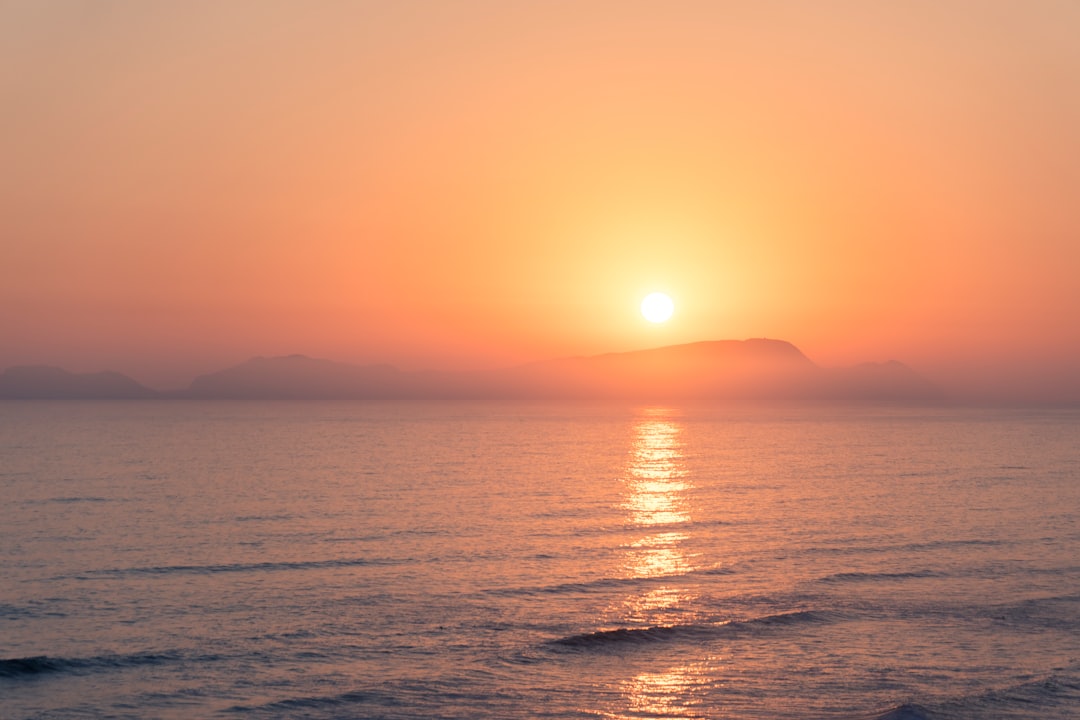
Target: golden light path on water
665,694
657,484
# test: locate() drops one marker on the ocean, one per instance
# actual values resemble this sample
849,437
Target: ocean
183,559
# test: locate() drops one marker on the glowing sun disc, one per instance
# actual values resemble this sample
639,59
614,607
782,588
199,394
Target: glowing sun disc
657,307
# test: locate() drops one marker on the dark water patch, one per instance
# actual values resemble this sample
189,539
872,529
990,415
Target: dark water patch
843,577
621,637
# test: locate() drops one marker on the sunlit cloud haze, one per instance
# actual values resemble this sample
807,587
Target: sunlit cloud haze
475,184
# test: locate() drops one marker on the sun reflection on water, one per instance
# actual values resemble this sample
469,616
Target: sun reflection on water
669,694
658,555
657,492
656,484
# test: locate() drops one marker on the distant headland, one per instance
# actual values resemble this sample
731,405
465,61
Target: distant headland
721,370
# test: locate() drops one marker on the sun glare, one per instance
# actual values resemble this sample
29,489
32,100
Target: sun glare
657,307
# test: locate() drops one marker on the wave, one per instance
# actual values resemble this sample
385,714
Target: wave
45,664
72,499
14,667
689,631
297,704
588,586
37,609
607,583
1056,612
1053,696
874,576
239,567
844,547
907,711
945,544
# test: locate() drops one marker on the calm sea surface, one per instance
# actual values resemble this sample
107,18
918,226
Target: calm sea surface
284,560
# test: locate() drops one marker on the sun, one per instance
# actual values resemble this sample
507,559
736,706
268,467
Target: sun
657,307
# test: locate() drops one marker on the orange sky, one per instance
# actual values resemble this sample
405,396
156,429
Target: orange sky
473,184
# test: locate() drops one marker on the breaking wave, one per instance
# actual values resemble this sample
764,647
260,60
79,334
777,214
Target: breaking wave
691,631
44,664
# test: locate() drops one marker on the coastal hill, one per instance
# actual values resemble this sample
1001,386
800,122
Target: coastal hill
757,369
298,377
42,381
750,369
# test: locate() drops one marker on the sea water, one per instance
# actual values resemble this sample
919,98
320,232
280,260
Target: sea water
344,560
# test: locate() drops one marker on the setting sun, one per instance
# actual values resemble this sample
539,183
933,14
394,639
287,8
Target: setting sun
657,307
320,359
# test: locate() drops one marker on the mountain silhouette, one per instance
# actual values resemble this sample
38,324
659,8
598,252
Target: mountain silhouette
702,370
757,369
43,381
721,370
298,377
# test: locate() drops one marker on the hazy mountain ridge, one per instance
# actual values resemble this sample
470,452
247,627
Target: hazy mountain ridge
44,381
755,369
296,377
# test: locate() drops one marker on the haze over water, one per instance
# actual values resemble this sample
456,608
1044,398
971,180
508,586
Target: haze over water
342,560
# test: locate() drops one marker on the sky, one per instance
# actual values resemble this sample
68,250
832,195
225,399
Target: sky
477,183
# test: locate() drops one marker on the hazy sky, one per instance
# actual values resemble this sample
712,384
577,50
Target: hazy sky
473,184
